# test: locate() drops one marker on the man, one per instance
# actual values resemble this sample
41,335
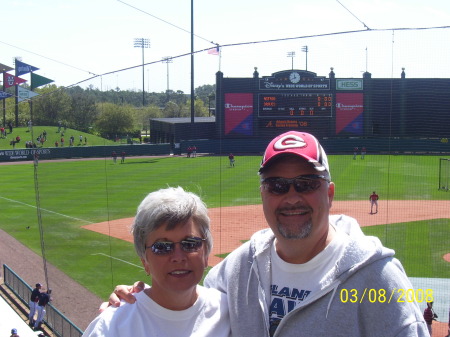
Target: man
429,316
231,159
34,298
373,202
363,152
355,152
44,299
310,274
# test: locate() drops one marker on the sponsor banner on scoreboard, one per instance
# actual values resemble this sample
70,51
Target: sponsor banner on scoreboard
349,113
238,112
349,84
294,80
319,84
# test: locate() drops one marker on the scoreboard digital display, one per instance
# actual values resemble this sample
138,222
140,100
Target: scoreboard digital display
293,105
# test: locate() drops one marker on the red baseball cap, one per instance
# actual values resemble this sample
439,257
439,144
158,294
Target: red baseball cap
301,144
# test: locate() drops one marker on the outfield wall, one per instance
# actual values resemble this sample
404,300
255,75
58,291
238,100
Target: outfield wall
84,152
236,146
331,145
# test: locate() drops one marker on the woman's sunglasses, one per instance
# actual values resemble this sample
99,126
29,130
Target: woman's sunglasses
188,245
302,184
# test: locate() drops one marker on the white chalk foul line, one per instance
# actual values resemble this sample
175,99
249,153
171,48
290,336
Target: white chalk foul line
46,210
115,258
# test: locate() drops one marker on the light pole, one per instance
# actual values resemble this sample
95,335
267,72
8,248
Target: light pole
291,54
142,43
167,60
192,64
305,50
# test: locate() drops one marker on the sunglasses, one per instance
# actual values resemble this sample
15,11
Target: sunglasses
188,245
302,184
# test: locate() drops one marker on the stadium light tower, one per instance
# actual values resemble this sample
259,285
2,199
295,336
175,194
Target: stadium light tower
305,50
142,43
167,60
291,54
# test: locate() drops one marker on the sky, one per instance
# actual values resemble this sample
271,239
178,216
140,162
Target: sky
90,42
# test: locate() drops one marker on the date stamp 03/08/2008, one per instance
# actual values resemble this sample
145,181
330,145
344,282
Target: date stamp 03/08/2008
386,296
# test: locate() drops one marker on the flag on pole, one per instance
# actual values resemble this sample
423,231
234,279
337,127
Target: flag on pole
4,95
38,80
4,68
214,51
25,94
11,80
23,68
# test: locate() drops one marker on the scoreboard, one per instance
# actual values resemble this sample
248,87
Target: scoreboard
295,105
288,100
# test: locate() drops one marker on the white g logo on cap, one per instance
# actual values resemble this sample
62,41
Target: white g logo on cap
289,142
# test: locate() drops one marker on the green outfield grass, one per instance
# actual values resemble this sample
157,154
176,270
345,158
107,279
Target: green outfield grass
72,194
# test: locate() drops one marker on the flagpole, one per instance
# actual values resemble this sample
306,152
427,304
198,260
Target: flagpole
3,71
16,94
4,100
4,103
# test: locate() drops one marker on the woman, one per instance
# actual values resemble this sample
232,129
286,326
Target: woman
172,238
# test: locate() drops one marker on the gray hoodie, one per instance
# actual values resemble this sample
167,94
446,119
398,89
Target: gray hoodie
366,268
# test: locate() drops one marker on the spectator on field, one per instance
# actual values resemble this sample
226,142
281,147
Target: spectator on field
122,155
173,240
291,279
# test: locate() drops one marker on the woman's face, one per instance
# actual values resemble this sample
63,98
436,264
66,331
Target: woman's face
178,272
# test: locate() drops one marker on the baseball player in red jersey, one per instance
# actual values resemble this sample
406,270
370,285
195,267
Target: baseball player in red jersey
373,201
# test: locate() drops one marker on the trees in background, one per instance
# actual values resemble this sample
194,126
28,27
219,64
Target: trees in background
114,119
107,112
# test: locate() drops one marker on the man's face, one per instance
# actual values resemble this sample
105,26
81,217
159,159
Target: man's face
296,215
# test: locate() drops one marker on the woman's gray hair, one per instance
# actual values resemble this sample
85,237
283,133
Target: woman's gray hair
170,207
